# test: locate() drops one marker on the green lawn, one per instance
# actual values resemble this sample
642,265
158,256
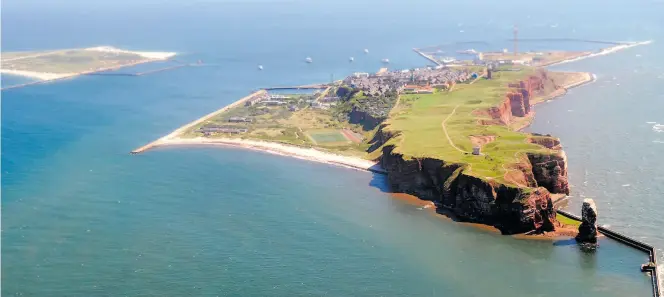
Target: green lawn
419,120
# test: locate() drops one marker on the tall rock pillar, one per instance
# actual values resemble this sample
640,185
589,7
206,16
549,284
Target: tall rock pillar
588,227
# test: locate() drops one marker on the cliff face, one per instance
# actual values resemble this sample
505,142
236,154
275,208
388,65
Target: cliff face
510,209
551,171
502,113
367,121
517,100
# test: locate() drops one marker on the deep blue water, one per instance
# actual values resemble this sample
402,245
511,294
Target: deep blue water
82,217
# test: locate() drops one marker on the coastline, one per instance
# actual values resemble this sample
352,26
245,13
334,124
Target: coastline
309,154
45,77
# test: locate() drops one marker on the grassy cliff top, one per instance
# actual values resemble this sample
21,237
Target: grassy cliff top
445,126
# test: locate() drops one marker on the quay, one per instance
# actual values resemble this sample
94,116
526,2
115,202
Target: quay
196,122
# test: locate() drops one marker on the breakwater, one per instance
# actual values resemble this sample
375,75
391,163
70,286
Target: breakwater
108,73
639,245
428,57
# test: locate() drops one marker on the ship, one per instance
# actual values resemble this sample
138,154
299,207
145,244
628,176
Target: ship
308,60
385,61
448,60
468,52
260,67
366,51
351,59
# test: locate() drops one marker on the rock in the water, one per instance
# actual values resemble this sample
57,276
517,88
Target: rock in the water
588,227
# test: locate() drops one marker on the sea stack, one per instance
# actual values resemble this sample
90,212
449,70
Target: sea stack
588,228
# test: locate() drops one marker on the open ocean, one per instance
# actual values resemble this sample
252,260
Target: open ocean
83,217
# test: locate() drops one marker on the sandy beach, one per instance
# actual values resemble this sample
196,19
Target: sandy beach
309,154
603,52
147,55
37,75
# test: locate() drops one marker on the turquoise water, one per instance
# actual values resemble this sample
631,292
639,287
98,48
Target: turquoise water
82,217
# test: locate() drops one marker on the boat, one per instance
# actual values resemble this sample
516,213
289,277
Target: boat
308,60
468,52
448,60
351,59
366,51
260,67
385,60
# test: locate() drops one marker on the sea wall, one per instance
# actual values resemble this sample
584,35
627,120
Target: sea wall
639,245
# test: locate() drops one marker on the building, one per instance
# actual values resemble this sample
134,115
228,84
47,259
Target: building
273,102
221,129
476,151
360,74
240,120
329,99
278,97
415,89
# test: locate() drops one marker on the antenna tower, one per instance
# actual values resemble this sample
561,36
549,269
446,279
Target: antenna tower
516,42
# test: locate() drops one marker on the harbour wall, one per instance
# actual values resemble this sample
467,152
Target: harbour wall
624,239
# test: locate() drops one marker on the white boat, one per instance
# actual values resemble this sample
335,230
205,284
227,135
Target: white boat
448,60
385,60
468,52
308,60
366,51
260,67
351,59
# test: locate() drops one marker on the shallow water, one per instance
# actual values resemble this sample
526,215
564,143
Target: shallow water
82,217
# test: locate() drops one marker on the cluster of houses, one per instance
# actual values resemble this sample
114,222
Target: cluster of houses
268,99
419,80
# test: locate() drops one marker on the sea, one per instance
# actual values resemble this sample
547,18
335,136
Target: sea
83,217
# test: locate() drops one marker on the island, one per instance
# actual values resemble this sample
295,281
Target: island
449,133
44,66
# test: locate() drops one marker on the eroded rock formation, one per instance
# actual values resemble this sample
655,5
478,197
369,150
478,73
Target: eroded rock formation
588,227
550,171
510,209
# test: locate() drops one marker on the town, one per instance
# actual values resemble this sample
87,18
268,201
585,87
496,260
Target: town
361,99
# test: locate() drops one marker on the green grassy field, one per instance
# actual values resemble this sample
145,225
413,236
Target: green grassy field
419,119
327,136
567,221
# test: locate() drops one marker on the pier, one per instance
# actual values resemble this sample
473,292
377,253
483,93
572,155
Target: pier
196,122
428,57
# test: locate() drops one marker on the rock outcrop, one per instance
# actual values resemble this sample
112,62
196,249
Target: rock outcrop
588,228
517,100
368,121
550,171
510,209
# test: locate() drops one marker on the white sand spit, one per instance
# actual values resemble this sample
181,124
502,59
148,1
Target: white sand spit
148,55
